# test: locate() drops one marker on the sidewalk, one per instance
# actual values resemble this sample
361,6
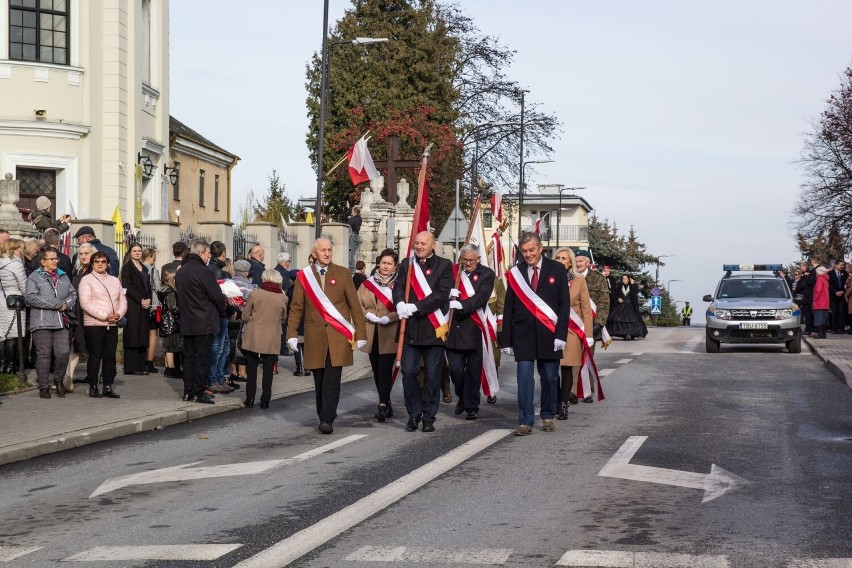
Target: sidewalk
32,426
836,352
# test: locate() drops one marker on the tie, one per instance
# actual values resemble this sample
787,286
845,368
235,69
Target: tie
534,281
422,262
322,271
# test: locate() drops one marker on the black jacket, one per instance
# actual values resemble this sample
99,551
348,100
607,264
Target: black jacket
286,281
806,286
439,274
215,266
835,285
199,297
527,336
138,285
256,271
464,333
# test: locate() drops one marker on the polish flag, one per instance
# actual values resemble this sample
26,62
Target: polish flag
537,224
497,206
422,223
361,167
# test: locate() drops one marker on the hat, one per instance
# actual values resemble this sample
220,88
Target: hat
583,252
84,230
242,266
43,202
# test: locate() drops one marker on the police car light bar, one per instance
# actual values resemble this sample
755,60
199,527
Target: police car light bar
751,267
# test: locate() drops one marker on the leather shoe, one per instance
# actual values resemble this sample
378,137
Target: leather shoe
187,396
548,426
93,392
381,413
264,404
572,398
523,430
45,393
471,415
588,399
248,403
325,428
109,393
563,411
60,389
459,407
389,413
411,425
428,427
492,400
203,399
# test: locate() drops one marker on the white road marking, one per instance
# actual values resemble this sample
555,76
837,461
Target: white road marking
715,484
430,556
181,473
605,372
821,563
623,361
161,552
621,559
638,354
304,541
9,553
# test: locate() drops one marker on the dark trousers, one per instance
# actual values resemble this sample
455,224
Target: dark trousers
104,343
433,360
839,307
252,361
807,317
382,370
55,343
327,389
466,372
196,360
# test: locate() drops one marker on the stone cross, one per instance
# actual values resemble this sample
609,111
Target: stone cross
391,164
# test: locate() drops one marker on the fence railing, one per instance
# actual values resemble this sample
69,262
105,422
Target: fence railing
243,241
189,236
130,239
567,233
288,243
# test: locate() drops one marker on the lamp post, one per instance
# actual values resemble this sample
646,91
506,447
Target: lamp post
521,192
559,213
669,287
657,277
324,103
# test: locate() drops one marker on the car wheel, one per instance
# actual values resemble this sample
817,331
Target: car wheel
795,345
712,345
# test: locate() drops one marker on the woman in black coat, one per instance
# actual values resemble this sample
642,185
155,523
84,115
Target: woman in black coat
624,319
136,281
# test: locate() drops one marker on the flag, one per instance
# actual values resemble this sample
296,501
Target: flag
66,237
361,167
309,218
495,259
283,222
497,206
477,233
421,223
119,226
537,224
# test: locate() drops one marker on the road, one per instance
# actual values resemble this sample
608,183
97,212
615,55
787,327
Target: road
623,482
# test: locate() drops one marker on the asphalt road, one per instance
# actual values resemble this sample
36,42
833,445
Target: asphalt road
470,493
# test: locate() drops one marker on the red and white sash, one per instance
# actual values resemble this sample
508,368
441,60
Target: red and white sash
421,290
382,293
530,299
588,369
487,324
323,305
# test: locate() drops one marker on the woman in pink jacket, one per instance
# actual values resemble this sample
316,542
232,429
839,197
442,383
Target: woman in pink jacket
821,301
104,304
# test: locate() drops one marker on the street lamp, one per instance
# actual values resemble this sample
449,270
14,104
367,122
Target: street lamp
559,213
669,287
521,189
323,103
657,277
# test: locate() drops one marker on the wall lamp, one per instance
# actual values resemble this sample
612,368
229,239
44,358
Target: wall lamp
146,163
174,173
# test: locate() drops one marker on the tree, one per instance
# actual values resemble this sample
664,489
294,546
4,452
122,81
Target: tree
624,255
825,200
827,246
275,205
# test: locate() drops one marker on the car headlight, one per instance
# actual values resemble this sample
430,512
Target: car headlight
784,314
720,313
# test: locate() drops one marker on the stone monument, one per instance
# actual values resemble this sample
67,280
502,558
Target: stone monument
10,217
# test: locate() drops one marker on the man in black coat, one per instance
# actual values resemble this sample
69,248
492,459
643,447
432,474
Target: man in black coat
464,342
422,339
179,250
202,306
256,256
540,282
836,290
86,234
806,289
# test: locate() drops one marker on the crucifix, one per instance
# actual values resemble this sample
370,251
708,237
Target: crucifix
391,164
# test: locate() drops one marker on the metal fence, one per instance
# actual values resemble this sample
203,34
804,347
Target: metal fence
288,243
188,236
243,241
130,239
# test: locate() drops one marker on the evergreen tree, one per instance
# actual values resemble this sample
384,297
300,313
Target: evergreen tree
275,205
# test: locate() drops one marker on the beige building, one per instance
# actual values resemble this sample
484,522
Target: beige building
84,117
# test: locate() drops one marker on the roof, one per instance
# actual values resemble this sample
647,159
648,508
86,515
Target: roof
177,128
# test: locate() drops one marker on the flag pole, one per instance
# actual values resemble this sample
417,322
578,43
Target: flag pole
476,206
421,183
343,159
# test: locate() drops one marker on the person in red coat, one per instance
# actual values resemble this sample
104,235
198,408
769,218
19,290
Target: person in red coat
820,303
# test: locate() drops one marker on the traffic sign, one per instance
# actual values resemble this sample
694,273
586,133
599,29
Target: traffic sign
655,291
656,305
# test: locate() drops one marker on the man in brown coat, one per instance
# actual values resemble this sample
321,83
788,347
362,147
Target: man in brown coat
334,326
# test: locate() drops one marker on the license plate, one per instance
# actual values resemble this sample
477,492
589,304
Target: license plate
754,325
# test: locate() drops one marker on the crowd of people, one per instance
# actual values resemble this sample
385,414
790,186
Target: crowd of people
826,297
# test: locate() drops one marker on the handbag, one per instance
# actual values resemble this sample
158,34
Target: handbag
169,324
13,301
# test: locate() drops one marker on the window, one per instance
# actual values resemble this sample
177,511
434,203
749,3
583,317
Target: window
216,193
35,183
201,189
38,31
177,182
487,220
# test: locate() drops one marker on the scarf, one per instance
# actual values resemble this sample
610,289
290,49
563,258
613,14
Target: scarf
385,280
272,287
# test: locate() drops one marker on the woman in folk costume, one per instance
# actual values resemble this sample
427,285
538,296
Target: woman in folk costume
382,327
624,319
578,334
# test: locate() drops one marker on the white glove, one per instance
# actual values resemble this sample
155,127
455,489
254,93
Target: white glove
371,317
454,293
293,343
455,305
590,341
508,351
360,343
384,320
558,345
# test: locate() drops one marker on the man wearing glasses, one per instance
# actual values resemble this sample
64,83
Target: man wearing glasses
465,340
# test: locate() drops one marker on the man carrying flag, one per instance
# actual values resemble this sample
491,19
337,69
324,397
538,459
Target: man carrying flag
425,329
472,333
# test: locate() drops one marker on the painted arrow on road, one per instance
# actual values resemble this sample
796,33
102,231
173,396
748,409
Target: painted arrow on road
181,473
715,484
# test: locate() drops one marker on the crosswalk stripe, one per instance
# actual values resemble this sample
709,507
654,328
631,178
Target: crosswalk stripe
605,372
9,553
622,559
154,552
821,563
623,361
430,555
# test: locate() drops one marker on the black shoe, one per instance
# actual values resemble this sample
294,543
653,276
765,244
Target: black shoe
492,400
459,406
264,404
149,366
136,373
381,413
389,413
588,399
188,397
248,403
45,393
428,427
109,393
60,389
572,398
563,411
234,385
203,399
298,372
411,425
471,415
325,428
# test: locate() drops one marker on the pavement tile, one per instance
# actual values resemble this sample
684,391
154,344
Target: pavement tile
835,352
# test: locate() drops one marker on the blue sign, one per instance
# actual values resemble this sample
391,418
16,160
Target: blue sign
656,305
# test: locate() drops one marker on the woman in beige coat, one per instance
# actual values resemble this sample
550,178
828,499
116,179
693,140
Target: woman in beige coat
382,325
265,311
572,357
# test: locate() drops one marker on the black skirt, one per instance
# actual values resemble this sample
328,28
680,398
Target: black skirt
623,321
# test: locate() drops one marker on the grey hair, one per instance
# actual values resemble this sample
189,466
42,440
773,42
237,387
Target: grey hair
199,246
271,276
528,236
468,248
283,257
84,246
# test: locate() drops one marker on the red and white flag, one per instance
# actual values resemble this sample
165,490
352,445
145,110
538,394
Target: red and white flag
361,167
537,224
421,223
497,206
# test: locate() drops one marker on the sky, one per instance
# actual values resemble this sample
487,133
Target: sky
683,118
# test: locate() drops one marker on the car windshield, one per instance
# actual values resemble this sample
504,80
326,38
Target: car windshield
754,288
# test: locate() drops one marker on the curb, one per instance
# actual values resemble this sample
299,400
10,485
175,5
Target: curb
829,363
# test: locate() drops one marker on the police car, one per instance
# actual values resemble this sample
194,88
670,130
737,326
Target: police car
753,304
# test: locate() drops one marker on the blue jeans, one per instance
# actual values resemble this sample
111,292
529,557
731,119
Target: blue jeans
219,353
548,374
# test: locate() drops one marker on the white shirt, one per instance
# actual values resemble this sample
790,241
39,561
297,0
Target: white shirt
531,272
